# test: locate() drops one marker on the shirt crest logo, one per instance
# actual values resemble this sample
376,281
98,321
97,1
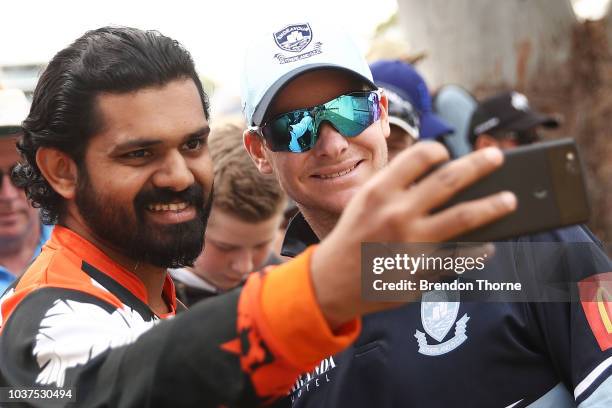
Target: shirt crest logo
439,310
293,38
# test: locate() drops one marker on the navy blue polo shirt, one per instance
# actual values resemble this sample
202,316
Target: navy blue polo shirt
481,354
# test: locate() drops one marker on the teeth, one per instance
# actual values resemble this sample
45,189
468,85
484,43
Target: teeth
341,173
168,207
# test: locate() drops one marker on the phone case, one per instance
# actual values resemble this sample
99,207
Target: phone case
548,181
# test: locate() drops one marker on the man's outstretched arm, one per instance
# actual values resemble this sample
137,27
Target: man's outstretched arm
248,346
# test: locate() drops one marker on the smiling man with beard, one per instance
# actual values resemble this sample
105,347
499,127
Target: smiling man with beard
115,153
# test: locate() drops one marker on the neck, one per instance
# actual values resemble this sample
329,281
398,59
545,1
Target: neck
204,276
152,277
322,223
17,254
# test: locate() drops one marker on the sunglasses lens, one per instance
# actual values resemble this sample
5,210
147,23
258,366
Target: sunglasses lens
296,131
290,132
353,113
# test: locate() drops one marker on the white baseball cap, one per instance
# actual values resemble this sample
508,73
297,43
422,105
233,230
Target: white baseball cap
14,108
281,53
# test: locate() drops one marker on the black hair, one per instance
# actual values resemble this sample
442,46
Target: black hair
63,112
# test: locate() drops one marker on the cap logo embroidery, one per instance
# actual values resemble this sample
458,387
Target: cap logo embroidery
519,101
284,59
293,38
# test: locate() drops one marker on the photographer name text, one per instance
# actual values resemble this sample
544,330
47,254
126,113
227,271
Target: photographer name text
424,285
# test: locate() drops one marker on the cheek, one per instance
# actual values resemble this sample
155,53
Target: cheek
288,169
508,144
383,153
33,212
22,201
212,259
117,188
260,256
203,170
376,144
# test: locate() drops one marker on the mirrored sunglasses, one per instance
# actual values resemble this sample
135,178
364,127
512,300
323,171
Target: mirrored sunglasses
297,131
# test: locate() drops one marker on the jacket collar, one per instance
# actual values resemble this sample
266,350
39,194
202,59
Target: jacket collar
298,237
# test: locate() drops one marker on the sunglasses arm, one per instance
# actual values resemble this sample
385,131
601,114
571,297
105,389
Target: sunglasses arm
257,130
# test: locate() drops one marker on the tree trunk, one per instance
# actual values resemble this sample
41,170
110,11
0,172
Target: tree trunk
487,41
534,46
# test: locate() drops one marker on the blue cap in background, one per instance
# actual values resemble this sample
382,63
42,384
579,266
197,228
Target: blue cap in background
401,78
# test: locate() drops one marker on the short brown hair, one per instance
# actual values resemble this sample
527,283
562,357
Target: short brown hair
240,189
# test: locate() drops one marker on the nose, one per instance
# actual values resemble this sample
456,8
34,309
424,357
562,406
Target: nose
174,173
243,262
330,143
7,189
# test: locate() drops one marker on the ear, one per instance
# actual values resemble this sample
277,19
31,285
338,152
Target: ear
254,145
384,115
485,140
59,170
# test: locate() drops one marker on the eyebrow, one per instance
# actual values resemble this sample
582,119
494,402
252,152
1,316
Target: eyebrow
143,143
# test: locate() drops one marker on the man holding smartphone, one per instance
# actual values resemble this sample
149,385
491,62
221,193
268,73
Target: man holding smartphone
499,354
115,152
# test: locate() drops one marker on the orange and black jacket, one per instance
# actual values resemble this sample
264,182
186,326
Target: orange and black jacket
78,321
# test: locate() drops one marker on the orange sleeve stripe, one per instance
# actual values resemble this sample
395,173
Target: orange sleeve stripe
270,372
292,319
287,333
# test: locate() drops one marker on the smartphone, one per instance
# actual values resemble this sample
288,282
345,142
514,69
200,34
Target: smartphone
548,181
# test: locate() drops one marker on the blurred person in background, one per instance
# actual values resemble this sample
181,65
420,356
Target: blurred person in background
410,110
455,105
403,119
21,232
243,223
505,120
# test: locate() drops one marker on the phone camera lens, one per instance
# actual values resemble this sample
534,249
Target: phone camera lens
570,165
